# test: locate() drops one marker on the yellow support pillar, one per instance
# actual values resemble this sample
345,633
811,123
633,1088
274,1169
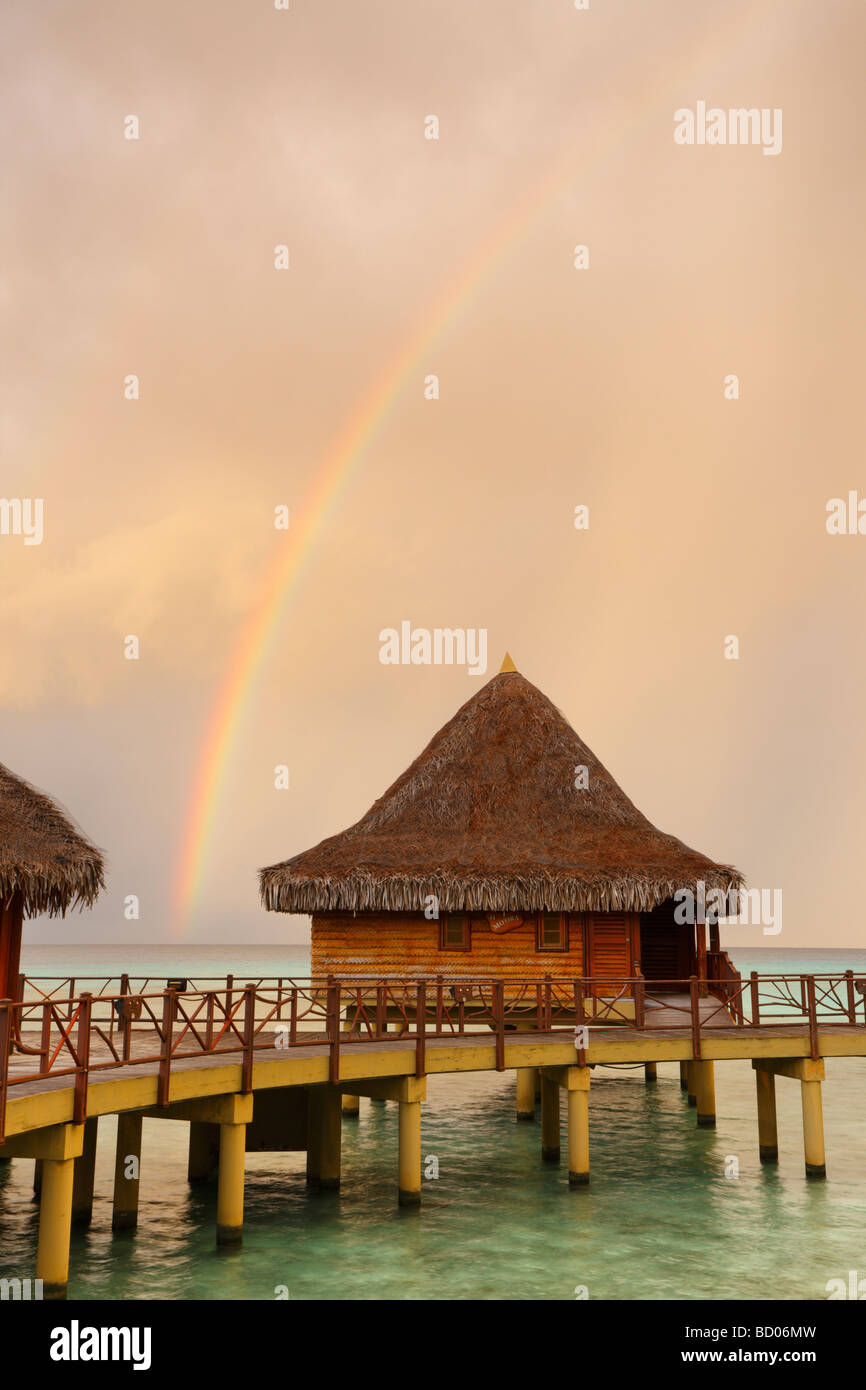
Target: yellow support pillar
526,1093
409,1194
230,1113
577,1082
549,1120
705,1093
127,1167
57,1148
810,1073
650,1072
409,1092
331,1139
768,1136
85,1167
55,1224
813,1129
230,1188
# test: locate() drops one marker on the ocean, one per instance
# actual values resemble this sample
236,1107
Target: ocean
672,1212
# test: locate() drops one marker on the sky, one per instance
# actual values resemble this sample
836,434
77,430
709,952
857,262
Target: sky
605,387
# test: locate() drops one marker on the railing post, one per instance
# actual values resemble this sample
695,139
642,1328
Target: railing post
420,1028
756,1004
813,1019
169,1013
127,1030
293,1017
249,1038
79,1102
230,981
125,1018
439,990
124,989
499,1014
579,1020
639,988
852,1003
696,1016
352,1014
208,1032
45,1039
5,1033
332,1010
737,1000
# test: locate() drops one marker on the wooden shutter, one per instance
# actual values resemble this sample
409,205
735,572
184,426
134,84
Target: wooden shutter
454,932
610,936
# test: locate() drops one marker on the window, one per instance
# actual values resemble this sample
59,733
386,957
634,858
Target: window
454,932
552,932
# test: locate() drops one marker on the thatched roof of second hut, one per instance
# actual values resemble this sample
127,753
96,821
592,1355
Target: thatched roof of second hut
42,855
488,818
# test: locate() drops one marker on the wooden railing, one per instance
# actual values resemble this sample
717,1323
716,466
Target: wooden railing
81,1036
723,979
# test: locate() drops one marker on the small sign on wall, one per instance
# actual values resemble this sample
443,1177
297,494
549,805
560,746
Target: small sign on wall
505,922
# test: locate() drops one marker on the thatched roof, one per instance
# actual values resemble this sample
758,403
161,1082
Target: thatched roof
488,818
42,855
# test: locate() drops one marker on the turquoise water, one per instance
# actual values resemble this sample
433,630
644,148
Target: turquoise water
660,1220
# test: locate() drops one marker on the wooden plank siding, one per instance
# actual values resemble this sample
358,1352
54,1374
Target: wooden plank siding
11,914
407,944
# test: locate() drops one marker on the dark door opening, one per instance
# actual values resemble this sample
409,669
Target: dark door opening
667,948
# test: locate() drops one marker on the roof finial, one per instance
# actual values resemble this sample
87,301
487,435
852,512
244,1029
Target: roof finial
507,664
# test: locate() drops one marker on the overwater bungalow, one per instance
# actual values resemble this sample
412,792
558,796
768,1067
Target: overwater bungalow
506,850
46,866
503,906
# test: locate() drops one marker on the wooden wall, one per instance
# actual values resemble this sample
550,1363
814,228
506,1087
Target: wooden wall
407,944
11,913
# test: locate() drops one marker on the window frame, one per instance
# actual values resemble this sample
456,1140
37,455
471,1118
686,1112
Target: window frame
445,945
564,936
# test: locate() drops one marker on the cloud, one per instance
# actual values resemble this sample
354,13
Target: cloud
180,584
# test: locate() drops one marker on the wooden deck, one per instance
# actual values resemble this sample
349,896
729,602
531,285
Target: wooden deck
237,1040
307,1063
672,1010
281,1068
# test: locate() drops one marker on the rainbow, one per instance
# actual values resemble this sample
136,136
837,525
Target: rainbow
258,637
